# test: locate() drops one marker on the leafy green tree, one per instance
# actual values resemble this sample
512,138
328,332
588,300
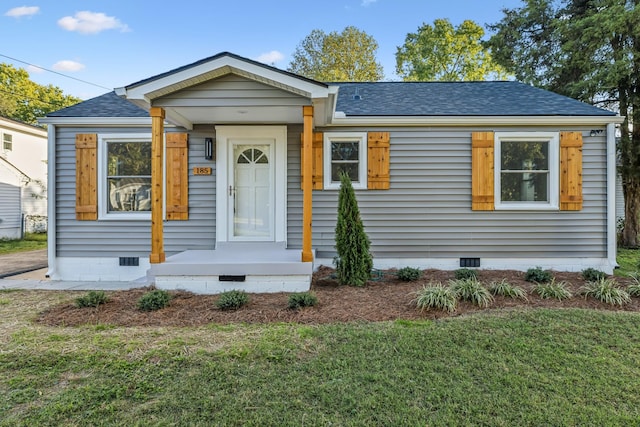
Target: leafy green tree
337,57
354,261
24,100
442,52
588,50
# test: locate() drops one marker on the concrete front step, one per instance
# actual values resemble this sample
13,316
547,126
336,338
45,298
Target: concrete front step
252,267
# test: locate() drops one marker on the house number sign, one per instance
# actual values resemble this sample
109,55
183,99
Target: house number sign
201,171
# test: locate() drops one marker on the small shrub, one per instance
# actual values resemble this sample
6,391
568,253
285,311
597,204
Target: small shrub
553,290
436,296
154,300
634,288
232,300
607,291
593,275
472,290
409,274
538,275
506,289
92,299
465,273
302,299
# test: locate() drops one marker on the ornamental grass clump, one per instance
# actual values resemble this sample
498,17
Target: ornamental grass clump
301,300
634,288
409,274
607,291
436,296
471,289
154,300
232,300
506,289
92,299
354,261
538,275
553,290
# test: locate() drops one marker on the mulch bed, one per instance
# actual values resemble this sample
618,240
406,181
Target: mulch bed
385,298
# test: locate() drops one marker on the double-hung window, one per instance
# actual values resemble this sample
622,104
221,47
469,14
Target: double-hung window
126,176
7,142
526,170
345,152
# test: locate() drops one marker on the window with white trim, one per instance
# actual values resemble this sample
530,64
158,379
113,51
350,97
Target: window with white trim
526,170
345,152
7,141
125,178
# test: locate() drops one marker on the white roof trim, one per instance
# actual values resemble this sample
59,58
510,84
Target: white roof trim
97,121
340,119
218,67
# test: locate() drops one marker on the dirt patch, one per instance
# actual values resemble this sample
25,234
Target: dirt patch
383,298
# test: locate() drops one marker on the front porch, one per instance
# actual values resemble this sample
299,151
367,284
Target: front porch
251,267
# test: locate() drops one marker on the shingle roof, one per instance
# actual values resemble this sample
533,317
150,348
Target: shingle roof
402,99
107,105
502,98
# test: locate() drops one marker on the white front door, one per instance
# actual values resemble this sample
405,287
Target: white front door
251,190
251,183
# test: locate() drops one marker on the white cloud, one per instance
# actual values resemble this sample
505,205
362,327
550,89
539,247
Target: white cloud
270,57
19,12
34,69
67,65
86,22
366,3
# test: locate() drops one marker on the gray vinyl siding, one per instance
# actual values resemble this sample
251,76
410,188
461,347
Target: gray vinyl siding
231,91
115,238
10,214
427,213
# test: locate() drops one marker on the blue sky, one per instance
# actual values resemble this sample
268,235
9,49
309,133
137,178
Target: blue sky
113,43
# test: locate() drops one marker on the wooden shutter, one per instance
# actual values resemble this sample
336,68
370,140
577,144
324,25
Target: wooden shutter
482,171
86,177
570,171
177,176
378,160
317,177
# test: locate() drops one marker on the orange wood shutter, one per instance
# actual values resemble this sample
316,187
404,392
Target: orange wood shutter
86,177
482,171
570,171
378,160
177,176
317,177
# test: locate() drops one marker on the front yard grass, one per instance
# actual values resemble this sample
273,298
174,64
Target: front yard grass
500,368
628,260
31,242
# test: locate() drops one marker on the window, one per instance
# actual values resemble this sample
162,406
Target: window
526,175
345,152
7,142
126,181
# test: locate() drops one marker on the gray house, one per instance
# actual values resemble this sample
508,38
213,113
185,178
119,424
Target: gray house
224,174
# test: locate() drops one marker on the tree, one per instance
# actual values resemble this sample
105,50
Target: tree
354,261
24,100
442,52
588,50
337,57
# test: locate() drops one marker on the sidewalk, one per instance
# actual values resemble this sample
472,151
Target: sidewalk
27,270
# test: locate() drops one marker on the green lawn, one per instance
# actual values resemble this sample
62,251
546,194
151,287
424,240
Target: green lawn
31,241
628,259
506,368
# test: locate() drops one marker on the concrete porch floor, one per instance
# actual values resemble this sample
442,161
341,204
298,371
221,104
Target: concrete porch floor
252,267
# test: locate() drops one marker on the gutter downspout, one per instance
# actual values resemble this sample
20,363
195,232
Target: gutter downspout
612,246
51,203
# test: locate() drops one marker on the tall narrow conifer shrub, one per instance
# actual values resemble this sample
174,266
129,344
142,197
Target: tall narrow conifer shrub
354,260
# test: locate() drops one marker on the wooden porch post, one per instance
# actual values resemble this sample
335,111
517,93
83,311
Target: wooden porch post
157,255
307,184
